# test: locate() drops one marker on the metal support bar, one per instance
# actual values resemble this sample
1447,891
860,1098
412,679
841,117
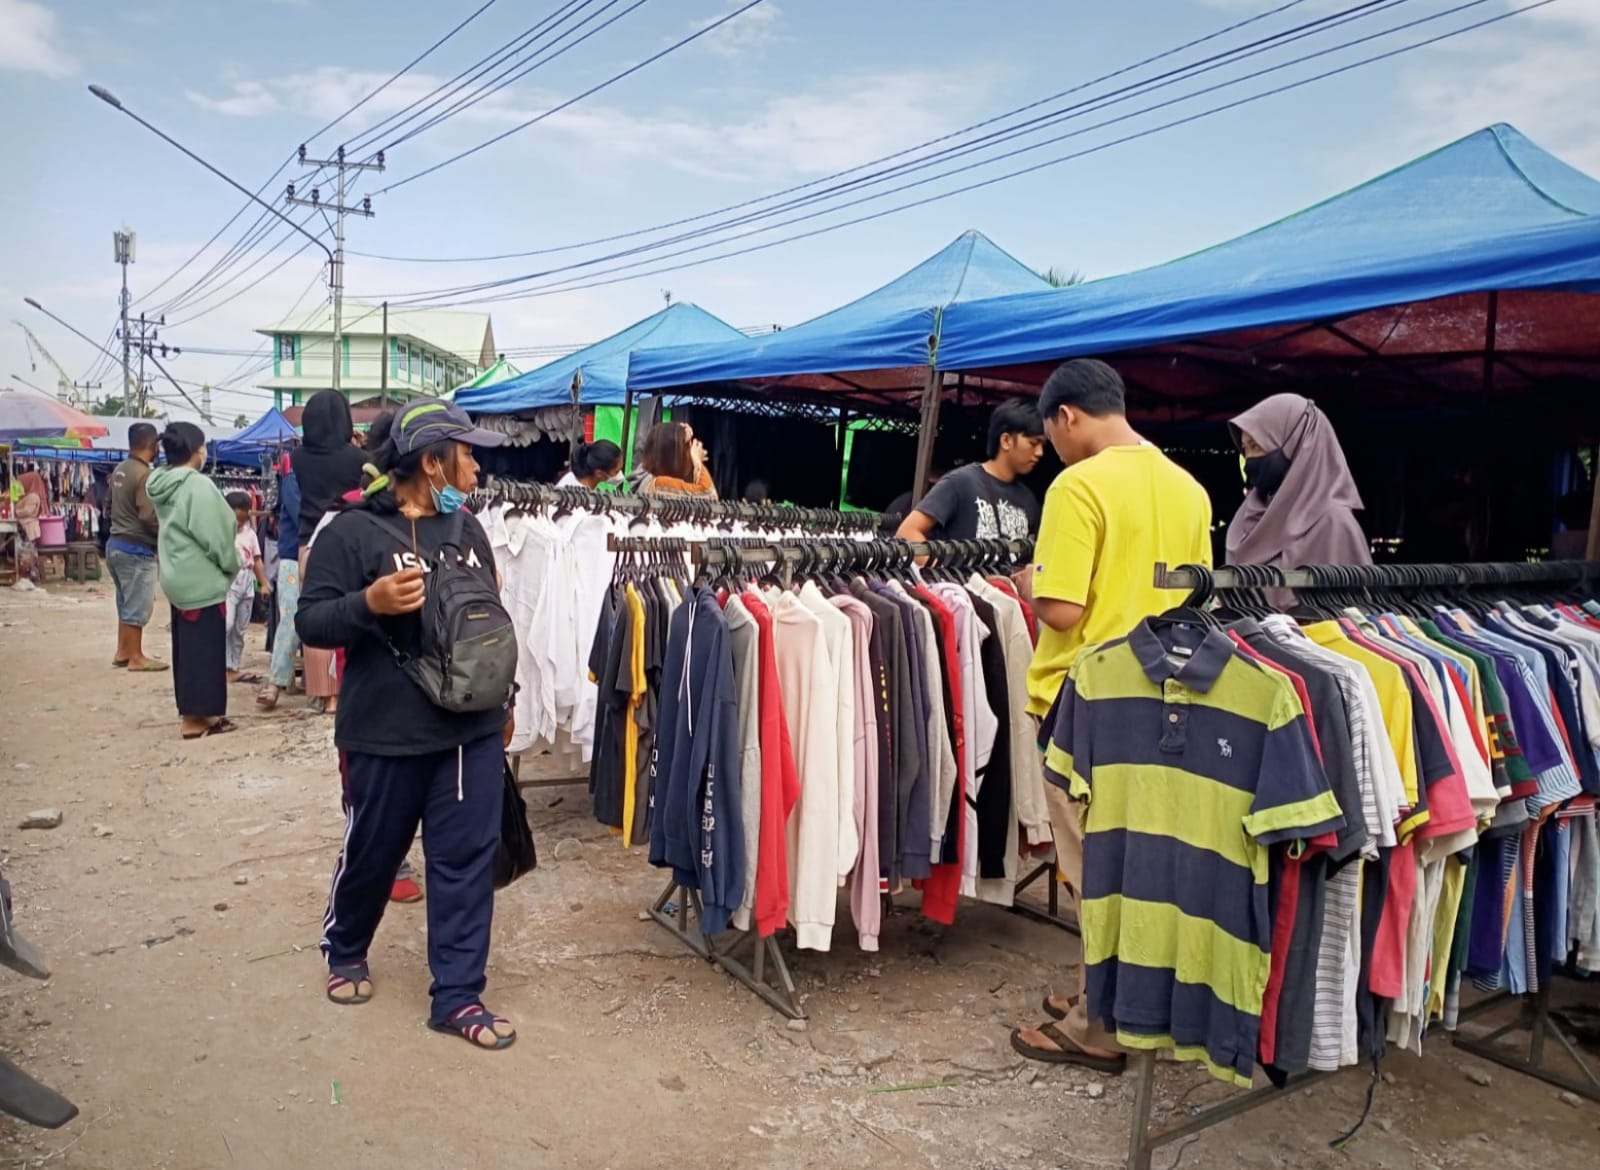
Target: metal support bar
678,909
1051,916
927,432
1143,1141
1533,1015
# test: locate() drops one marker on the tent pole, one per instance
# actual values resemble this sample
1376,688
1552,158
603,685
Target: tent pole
1485,505
627,429
925,435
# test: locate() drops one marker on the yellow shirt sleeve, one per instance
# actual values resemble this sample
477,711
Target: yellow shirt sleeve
1070,534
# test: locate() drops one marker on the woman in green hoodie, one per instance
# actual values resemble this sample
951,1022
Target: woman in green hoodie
198,562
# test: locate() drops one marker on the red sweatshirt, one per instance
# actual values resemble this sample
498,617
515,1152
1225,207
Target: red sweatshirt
780,783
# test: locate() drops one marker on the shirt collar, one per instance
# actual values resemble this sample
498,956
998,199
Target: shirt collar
1202,669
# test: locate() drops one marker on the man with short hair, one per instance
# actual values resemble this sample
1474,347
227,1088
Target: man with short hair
985,501
1119,508
131,549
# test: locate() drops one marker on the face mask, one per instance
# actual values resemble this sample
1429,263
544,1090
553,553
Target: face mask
1264,474
448,498
615,479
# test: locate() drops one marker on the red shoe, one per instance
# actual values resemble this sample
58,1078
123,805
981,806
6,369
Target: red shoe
405,890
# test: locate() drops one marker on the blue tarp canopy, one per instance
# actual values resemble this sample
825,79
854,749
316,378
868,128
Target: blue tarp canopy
1481,249
269,431
604,364
871,346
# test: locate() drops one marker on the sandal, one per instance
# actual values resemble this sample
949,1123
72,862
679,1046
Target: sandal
475,1024
1052,1011
318,705
349,985
220,727
1066,1053
118,663
249,679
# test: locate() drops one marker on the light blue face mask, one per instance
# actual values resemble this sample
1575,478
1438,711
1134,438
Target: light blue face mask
448,498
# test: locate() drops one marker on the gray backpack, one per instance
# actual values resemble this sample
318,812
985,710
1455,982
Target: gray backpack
466,659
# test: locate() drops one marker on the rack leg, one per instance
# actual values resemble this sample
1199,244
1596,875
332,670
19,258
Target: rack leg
1051,916
683,922
1144,1095
1533,1014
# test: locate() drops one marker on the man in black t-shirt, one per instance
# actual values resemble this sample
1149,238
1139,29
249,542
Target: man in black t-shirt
986,500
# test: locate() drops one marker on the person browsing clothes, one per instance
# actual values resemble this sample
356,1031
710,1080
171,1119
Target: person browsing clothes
408,760
1300,500
984,501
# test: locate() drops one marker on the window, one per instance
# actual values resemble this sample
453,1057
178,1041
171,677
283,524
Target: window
288,347
427,367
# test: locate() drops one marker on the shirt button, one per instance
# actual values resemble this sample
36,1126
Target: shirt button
1172,718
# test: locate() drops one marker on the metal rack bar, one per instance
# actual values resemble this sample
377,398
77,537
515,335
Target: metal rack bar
517,491
1533,1015
679,911
1353,577
1051,916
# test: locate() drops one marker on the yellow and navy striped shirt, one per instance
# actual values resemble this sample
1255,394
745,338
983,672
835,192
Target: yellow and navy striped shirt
1192,760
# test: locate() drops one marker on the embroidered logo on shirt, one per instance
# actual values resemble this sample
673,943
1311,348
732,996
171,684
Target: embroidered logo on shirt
1225,748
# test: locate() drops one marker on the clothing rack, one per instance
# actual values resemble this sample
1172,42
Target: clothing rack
758,963
674,509
1352,584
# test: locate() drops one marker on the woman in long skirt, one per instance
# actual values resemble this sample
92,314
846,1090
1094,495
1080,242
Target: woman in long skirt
198,562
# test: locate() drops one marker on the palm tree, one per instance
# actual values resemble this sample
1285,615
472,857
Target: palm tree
1062,277
240,421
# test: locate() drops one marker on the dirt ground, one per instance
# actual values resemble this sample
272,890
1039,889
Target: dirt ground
180,902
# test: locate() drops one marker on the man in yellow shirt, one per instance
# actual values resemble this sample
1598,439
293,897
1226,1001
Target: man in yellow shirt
1120,507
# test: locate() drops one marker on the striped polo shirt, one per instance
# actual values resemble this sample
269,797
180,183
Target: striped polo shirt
1192,760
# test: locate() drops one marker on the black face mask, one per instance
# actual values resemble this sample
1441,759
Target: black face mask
1264,474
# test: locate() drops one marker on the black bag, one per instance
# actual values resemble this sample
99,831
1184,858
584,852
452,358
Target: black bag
515,855
467,659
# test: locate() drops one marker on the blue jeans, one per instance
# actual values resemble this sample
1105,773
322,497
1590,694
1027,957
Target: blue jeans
135,579
285,641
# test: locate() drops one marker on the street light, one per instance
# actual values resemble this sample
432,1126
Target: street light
29,384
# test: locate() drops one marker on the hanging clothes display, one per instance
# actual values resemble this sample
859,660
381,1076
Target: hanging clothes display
832,714
1304,832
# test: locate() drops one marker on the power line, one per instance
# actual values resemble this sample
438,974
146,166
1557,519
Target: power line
571,286
486,92
704,30
408,113
1234,27
1116,97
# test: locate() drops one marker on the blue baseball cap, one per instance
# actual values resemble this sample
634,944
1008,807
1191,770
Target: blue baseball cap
430,420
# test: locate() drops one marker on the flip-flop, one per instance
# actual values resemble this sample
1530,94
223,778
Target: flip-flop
151,667
1067,1053
249,679
220,727
353,977
473,1022
118,663
1052,1011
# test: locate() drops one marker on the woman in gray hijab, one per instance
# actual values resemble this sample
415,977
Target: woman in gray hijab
1300,503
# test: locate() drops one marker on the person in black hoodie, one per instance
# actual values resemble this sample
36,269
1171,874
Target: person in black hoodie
326,466
407,760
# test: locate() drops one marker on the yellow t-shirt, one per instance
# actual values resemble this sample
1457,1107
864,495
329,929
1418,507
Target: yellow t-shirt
630,723
1107,521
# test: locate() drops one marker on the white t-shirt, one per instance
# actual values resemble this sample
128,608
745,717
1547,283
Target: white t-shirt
247,546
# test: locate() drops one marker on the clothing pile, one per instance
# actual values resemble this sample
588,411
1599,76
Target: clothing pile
1301,839
776,743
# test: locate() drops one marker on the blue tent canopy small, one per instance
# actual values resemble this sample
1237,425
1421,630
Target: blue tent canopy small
603,365
269,431
877,344
1468,264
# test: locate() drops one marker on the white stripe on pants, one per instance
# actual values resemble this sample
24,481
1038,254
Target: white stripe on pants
240,601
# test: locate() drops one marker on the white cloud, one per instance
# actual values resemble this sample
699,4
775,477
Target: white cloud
750,32
1537,72
28,40
249,99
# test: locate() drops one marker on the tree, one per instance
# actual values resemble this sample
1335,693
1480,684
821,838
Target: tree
1062,277
112,404
240,422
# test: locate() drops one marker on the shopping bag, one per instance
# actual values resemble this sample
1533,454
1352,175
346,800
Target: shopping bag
515,855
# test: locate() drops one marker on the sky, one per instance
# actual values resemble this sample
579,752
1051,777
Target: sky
784,93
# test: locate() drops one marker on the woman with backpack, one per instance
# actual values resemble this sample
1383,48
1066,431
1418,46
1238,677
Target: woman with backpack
425,711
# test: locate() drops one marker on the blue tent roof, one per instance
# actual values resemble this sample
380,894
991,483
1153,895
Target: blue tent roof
1490,212
604,364
885,330
268,431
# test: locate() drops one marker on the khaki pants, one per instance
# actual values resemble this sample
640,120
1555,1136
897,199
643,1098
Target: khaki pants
1067,828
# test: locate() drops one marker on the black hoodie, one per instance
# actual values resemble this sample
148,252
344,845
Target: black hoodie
381,710
325,464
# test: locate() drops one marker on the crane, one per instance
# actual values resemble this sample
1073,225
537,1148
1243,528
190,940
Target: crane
66,388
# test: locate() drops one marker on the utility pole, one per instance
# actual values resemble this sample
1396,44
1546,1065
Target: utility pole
336,276
205,402
383,364
122,244
144,335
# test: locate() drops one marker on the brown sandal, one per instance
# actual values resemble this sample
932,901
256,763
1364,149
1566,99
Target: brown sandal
1066,1053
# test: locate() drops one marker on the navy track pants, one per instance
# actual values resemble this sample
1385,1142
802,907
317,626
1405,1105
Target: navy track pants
456,796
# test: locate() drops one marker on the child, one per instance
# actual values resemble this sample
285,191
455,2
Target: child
252,573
